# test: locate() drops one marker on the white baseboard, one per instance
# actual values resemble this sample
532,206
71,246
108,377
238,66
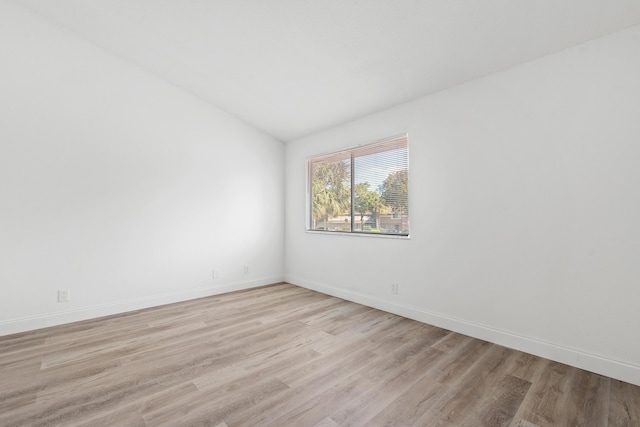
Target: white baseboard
30,323
559,353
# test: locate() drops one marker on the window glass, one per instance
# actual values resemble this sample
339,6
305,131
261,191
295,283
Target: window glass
362,190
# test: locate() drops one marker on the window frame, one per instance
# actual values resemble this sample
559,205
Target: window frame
351,154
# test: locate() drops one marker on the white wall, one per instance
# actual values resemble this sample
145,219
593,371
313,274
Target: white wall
120,187
525,210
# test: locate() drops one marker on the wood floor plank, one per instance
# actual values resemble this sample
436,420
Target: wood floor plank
328,375
590,399
624,408
414,402
545,402
130,412
462,394
451,342
499,405
313,411
205,411
287,356
391,382
327,422
526,366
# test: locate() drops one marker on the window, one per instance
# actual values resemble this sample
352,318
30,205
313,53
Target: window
361,190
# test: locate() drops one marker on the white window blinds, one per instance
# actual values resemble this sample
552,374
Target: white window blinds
362,190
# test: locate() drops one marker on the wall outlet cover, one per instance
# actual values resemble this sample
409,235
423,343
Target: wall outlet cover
64,295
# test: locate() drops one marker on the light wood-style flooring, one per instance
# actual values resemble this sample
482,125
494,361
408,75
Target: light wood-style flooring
287,356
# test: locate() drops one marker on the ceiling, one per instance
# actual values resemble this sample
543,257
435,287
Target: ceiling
294,67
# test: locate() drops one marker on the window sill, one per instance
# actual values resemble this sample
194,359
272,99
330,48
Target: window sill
356,234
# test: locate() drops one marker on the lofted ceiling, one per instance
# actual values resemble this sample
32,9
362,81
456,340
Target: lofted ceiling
294,67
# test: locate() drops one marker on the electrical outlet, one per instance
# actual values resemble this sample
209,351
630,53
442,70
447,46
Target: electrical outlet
394,289
216,274
246,269
64,295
